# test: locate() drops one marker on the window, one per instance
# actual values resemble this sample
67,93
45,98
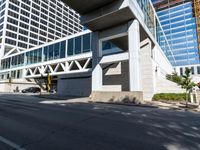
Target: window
46,52
192,70
57,50
40,55
63,49
25,6
23,32
198,69
70,48
10,34
181,71
25,13
22,45
13,21
25,26
78,45
34,42
34,30
11,42
15,2
10,13
13,7
24,19
34,18
10,27
22,38
51,49
86,43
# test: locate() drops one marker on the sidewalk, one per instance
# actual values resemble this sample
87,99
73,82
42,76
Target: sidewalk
174,106
61,99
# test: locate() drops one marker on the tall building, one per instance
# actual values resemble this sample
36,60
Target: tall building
28,23
179,21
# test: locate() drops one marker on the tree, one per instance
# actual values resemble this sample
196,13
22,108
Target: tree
184,81
187,84
174,77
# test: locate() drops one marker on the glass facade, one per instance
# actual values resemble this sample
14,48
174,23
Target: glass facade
179,26
149,14
78,45
153,24
58,50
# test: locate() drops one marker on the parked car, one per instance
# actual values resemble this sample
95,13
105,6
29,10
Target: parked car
31,90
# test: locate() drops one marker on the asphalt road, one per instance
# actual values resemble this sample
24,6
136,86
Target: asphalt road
26,124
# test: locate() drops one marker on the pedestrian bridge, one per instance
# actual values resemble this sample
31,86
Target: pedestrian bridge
68,55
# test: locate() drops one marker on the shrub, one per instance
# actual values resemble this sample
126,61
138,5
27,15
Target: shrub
170,96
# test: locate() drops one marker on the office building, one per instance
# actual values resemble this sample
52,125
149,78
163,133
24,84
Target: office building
179,20
28,23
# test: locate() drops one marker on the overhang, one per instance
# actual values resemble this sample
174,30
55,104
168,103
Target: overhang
85,6
109,20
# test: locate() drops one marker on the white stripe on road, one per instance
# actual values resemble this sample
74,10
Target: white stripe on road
11,144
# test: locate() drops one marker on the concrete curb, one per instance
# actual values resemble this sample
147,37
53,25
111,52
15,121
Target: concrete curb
146,106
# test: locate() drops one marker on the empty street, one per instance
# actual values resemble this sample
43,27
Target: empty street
26,123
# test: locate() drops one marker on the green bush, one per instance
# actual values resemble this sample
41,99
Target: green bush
170,97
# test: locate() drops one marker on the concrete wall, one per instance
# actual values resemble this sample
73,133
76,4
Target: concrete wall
147,70
116,77
75,84
161,62
154,67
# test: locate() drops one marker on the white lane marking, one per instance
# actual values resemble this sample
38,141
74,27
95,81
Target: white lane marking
11,144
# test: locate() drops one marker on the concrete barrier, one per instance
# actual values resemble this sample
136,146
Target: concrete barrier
127,97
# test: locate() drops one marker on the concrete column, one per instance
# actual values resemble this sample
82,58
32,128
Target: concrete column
195,70
134,47
97,70
23,73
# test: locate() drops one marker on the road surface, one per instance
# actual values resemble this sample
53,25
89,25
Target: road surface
26,123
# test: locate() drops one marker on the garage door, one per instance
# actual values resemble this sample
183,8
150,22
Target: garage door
75,86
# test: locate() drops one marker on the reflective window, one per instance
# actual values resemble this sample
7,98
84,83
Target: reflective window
86,43
46,53
57,50
62,49
70,47
51,49
78,45
198,69
81,44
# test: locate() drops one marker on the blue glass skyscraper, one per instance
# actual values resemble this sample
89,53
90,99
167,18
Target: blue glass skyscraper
179,25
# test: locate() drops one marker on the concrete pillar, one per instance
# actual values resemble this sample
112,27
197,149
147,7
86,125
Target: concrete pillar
23,73
134,47
195,70
97,70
